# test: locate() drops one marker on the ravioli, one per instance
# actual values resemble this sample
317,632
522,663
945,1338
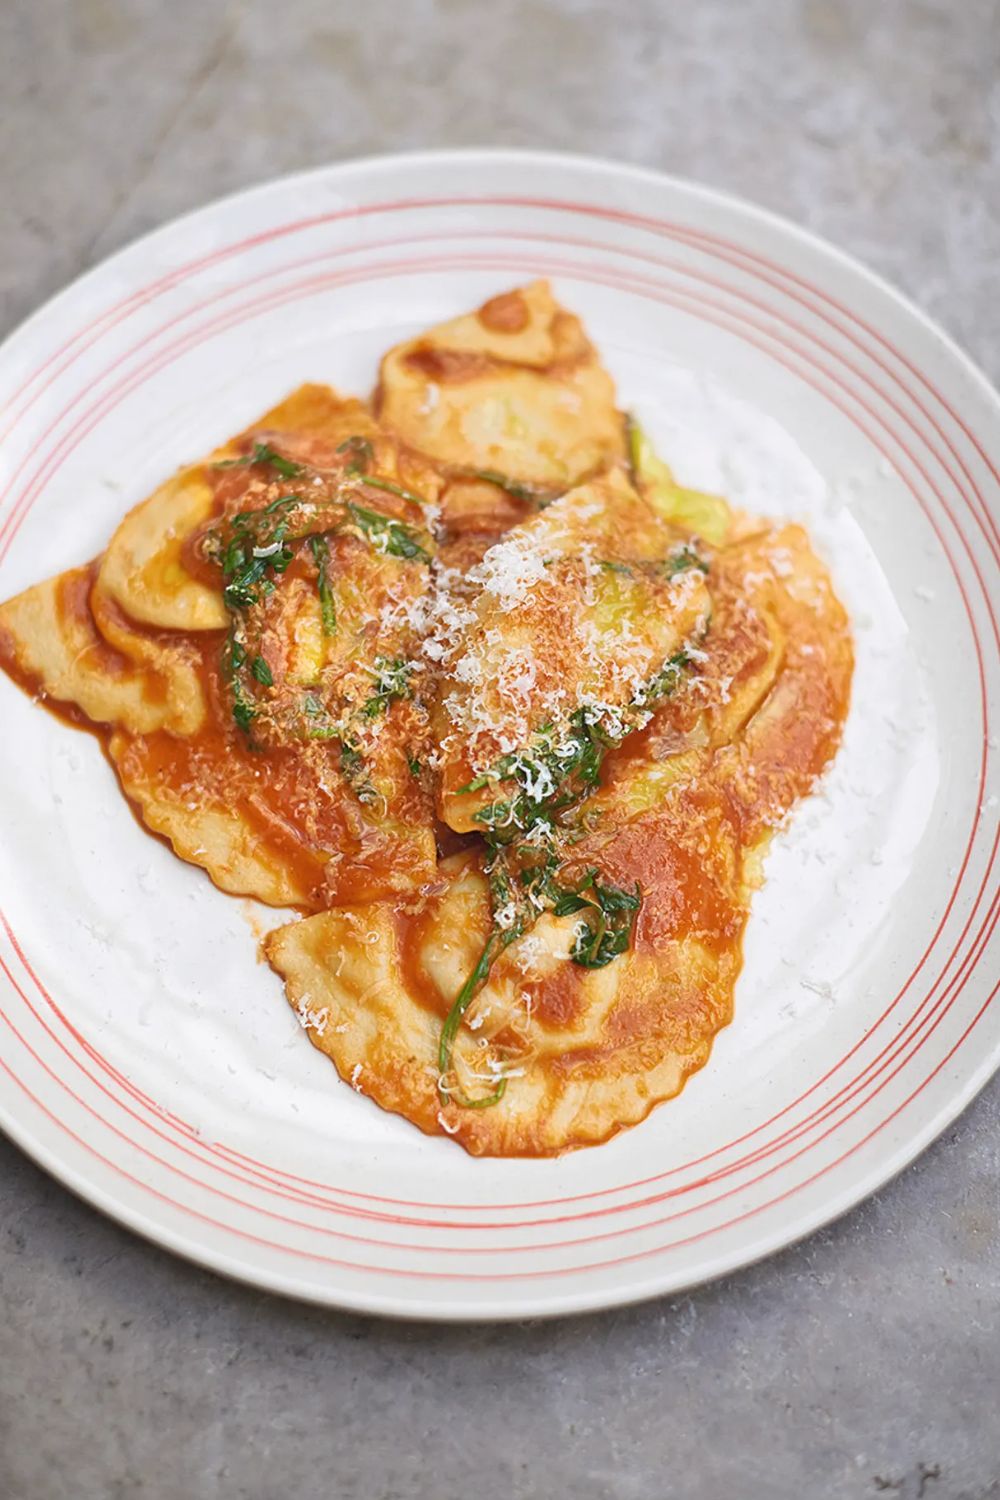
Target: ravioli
515,388
146,569
513,404
469,679
580,621
245,644
582,1053
686,810
50,642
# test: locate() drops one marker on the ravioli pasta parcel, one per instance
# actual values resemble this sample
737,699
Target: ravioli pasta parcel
467,678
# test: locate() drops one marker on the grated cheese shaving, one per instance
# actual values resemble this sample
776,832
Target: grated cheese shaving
509,570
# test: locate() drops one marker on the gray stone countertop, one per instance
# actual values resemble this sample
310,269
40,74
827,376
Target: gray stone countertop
864,1362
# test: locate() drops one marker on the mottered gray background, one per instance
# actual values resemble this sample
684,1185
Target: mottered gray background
863,1363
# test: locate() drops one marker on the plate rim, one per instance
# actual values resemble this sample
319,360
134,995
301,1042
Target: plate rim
549,1306
444,156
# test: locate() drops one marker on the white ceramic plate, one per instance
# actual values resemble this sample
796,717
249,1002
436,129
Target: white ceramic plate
152,1064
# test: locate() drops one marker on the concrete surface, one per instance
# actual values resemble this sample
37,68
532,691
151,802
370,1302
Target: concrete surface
864,1363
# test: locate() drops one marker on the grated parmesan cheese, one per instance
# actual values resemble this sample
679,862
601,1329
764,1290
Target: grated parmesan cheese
509,569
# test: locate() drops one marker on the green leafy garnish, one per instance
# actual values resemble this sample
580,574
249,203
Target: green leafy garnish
606,929
530,835
263,453
681,560
608,916
352,763
530,493
350,758
668,677
386,534
240,594
362,452
495,943
353,766
553,775
234,659
392,680
255,547
321,557
376,482
244,713
251,550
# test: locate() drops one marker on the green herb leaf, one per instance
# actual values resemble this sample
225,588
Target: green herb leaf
606,931
569,903
532,494
244,714
392,680
328,610
667,679
263,453
496,815
362,450
386,534
376,482
234,657
446,1045
240,593
350,758
282,503
353,766
262,671
254,549
683,559
475,785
